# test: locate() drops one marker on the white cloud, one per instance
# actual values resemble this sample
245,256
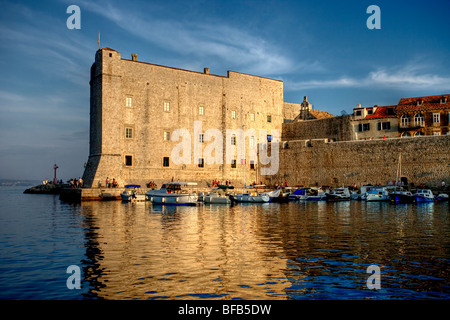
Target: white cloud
234,46
409,77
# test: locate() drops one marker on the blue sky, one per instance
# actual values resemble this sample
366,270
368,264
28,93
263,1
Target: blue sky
321,49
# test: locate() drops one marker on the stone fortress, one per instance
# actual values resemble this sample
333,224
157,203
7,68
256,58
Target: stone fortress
137,107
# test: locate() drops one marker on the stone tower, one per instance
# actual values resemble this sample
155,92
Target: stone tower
137,107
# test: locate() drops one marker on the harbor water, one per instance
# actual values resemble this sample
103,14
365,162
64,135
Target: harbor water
282,251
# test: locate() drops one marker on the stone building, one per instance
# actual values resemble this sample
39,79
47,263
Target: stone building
420,116
141,112
375,122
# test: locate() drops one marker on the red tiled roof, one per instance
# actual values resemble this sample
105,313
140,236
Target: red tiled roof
429,103
382,112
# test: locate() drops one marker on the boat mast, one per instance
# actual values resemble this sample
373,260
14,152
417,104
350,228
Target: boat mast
399,168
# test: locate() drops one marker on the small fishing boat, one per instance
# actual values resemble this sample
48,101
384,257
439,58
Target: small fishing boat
400,195
277,195
253,196
339,194
133,193
424,195
442,197
377,194
216,196
174,193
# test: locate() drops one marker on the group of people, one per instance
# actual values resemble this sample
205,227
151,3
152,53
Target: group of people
113,184
152,184
76,183
216,183
281,185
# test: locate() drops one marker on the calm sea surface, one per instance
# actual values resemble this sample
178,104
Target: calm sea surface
298,250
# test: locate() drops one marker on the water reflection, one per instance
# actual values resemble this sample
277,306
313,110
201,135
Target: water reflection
267,251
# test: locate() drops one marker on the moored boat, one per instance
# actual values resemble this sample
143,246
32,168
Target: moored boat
377,194
252,196
442,197
400,195
339,194
173,193
216,196
132,192
424,195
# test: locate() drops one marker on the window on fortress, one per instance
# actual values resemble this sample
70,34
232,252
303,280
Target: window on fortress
201,138
166,106
252,117
436,133
201,162
128,161
129,133
233,114
252,164
166,135
165,161
201,110
233,140
129,102
233,163
269,118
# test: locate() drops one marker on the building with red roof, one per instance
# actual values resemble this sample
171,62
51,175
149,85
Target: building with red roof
418,116
375,122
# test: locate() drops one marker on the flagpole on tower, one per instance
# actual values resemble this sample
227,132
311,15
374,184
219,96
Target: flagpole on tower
99,39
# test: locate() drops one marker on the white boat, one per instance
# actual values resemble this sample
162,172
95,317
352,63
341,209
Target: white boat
174,193
216,195
253,196
424,195
339,194
315,194
132,192
442,197
278,195
361,195
378,194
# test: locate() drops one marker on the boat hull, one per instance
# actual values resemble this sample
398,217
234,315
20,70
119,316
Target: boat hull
376,197
186,200
331,197
423,199
131,197
251,199
216,200
401,198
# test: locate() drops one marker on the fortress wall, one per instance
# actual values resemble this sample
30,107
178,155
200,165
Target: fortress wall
335,128
318,162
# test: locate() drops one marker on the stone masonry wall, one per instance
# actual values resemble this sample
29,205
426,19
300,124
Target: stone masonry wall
335,128
321,163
